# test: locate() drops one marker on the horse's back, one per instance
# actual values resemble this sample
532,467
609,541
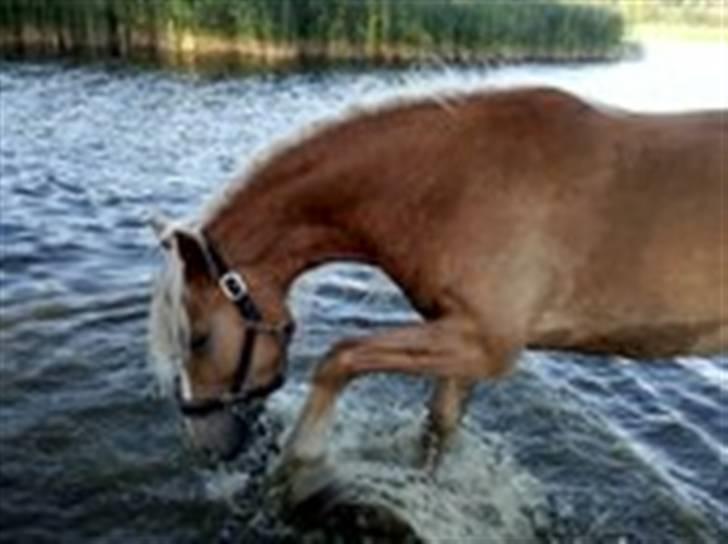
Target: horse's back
578,225
655,279
598,228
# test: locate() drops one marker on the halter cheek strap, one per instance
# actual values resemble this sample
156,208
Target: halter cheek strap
235,289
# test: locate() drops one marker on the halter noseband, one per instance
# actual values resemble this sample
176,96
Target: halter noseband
236,291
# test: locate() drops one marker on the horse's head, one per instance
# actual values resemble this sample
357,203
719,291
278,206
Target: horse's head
212,343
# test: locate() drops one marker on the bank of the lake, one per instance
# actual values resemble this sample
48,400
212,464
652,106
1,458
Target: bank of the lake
290,32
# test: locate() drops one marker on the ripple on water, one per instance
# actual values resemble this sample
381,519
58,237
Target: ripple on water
569,449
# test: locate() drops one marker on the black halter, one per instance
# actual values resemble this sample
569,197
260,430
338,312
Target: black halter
235,289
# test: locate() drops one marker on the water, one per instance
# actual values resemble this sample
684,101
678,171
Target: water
569,449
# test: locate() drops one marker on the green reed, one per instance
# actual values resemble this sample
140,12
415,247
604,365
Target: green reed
377,30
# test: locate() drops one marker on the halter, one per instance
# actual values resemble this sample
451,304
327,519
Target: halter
236,291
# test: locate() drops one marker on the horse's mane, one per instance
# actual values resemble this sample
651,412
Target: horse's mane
288,152
360,115
168,326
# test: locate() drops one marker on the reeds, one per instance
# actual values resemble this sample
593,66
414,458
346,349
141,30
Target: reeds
272,31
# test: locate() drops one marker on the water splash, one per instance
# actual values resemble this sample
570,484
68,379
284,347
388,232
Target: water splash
478,492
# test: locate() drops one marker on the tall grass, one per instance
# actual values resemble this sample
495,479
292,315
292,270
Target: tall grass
289,30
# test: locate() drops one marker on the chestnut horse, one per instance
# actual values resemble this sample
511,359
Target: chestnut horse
514,219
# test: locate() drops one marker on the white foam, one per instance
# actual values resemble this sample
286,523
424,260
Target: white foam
479,494
708,369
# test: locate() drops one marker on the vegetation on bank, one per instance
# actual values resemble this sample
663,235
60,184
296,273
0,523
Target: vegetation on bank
284,31
675,19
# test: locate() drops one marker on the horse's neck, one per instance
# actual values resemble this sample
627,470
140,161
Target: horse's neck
270,237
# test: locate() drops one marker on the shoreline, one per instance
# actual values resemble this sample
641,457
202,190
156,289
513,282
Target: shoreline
290,33
200,51
208,53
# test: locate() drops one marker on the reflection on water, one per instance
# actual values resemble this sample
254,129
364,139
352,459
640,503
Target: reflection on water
568,449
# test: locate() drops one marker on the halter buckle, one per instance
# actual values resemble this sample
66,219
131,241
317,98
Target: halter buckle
233,285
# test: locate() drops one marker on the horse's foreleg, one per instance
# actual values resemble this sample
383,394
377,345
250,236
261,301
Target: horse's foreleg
445,348
446,408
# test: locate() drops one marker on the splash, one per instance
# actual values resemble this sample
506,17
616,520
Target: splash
478,494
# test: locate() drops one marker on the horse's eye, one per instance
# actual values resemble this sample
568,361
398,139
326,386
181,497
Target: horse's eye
198,342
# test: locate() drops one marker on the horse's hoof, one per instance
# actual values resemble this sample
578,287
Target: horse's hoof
288,468
429,461
338,505
313,491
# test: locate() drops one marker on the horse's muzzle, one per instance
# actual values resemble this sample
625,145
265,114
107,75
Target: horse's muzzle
224,434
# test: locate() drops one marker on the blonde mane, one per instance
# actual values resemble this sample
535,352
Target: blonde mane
168,324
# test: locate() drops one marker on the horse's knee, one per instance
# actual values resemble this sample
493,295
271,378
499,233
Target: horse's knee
337,368
496,368
495,358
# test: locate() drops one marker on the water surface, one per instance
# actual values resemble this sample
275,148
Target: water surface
568,449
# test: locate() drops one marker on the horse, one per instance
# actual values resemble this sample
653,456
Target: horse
511,219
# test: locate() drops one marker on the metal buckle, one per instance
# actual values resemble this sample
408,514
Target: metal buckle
233,285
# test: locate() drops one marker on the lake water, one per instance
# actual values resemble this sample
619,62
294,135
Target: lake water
568,449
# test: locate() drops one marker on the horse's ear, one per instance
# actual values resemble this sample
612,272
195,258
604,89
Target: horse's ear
193,257
162,228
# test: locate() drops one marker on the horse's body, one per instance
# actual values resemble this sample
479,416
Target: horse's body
511,219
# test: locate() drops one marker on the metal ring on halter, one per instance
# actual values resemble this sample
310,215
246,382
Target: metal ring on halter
233,285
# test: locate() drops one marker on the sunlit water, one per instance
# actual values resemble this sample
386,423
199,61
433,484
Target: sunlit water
568,449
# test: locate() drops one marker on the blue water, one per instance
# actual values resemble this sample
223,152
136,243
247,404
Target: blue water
568,449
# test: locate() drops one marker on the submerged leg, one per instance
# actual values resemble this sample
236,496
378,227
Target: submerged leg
447,348
446,408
